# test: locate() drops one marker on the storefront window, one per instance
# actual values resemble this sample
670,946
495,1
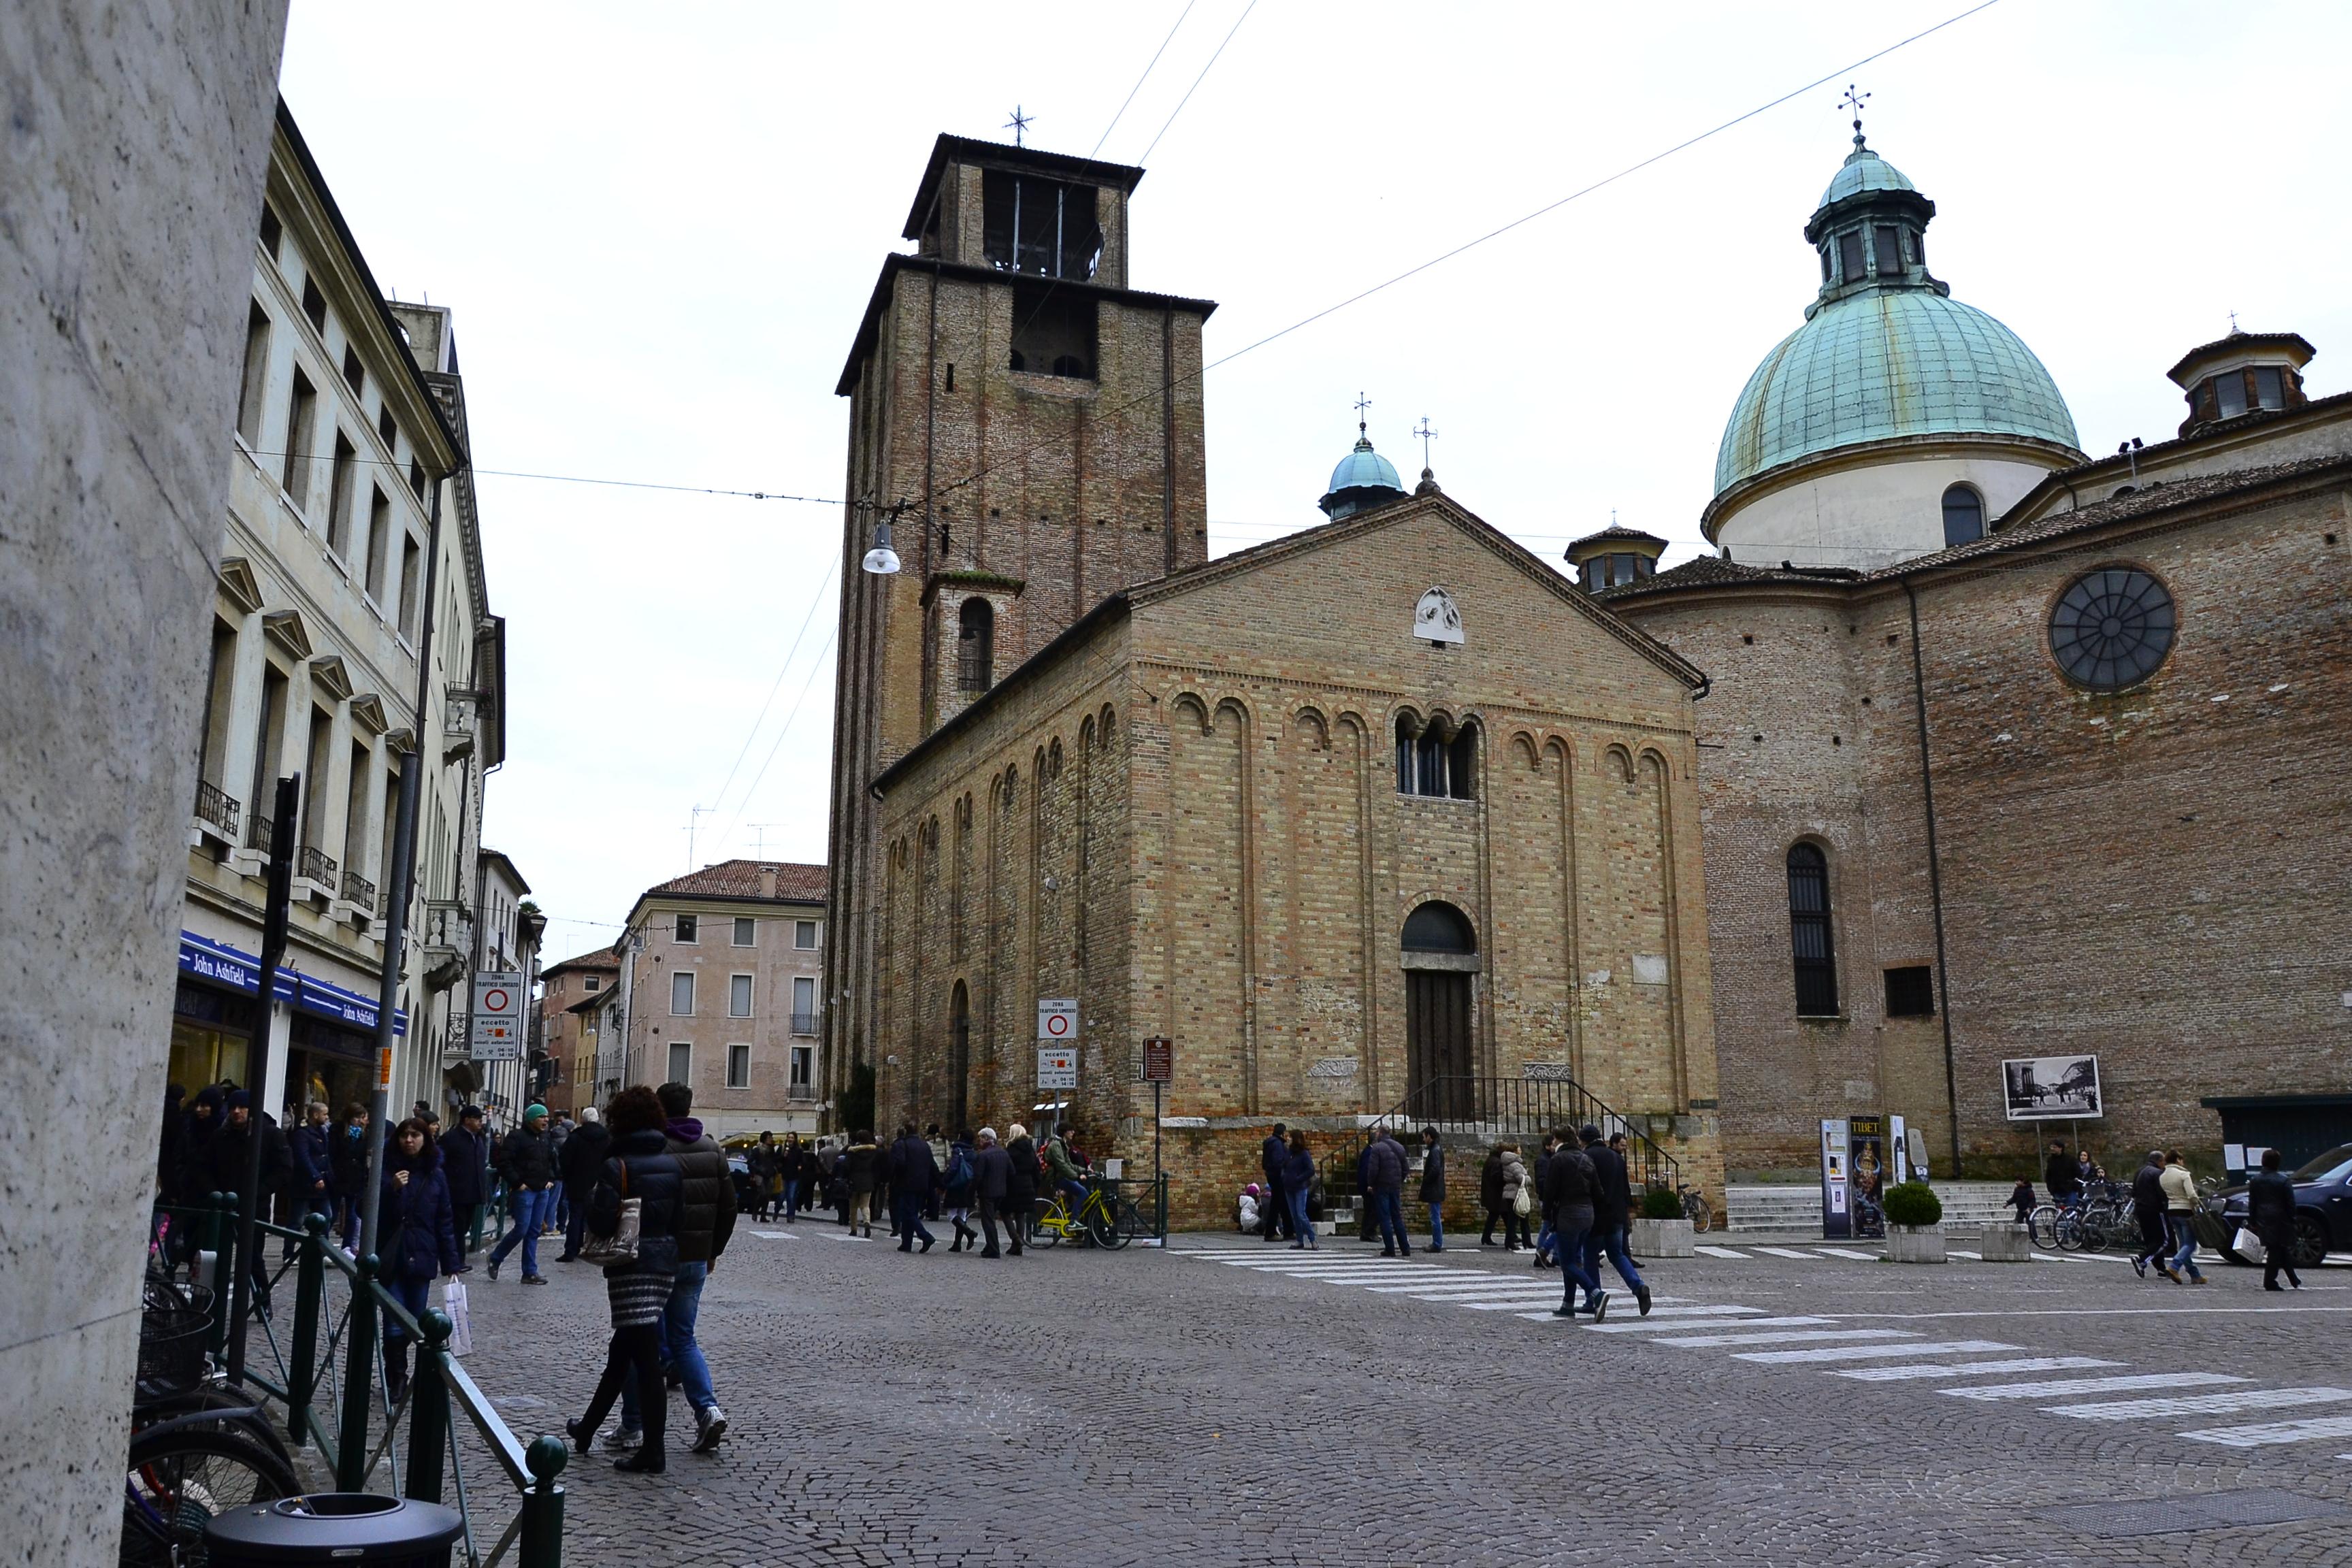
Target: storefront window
209,1032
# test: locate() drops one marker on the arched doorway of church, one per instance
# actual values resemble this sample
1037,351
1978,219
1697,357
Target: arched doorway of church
1440,955
960,1058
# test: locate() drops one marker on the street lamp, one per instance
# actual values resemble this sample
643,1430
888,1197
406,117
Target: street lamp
882,561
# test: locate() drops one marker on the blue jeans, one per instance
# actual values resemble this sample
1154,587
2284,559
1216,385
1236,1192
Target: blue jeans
792,1198
1437,1224
575,1225
907,1208
532,1208
412,1292
1568,1241
1387,1211
1611,1241
1303,1226
678,1349
2185,1238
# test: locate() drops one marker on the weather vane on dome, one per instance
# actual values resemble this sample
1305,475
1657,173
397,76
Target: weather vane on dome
1362,402
1855,101
1019,123
1427,436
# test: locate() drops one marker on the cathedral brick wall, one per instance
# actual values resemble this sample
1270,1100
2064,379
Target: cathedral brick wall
1209,778
2155,875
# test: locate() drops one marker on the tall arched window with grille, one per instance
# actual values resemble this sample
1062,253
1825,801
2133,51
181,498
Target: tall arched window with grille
976,646
1809,933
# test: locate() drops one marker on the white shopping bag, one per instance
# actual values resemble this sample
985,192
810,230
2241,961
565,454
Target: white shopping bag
461,1322
2248,1246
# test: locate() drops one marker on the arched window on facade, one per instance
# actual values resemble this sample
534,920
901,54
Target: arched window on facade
976,646
1437,760
1809,933
1963,515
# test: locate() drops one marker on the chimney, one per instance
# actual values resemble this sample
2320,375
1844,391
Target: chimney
767,882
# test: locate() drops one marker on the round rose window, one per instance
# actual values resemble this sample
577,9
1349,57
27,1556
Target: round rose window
2112,628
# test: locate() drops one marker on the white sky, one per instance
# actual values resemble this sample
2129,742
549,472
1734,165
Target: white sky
659,226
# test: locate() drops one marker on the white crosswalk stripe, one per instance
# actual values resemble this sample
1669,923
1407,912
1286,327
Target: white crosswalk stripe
1869,1352
775,1235
1789,1337
1975,1368
1518,1293
1787,1252
2265,1433
1847,1252
1721,1252
1653,1325
1467,1279
2202,1404
2055,1387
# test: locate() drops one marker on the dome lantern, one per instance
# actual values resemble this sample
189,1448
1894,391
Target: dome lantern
1363,479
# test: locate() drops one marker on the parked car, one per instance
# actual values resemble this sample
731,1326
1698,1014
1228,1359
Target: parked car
2323,1209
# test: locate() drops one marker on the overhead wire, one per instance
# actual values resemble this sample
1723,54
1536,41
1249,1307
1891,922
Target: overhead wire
1199,79
754,787
1144,78
782,670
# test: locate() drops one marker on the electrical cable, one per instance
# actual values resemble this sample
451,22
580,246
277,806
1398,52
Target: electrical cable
1144,78
754,787
1199,79
754,733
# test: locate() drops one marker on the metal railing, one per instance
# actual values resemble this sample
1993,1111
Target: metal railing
803,1023
800,1094
325,1371
217,807
359,891
1494,1110
315,865
257,835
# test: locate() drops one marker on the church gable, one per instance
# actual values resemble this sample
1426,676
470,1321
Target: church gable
1419,596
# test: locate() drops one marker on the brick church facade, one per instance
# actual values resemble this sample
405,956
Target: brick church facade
1385,804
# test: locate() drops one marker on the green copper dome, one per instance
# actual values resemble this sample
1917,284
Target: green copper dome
1885,352
1363,479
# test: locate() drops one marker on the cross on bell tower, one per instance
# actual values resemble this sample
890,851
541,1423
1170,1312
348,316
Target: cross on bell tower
1019,125
1855,101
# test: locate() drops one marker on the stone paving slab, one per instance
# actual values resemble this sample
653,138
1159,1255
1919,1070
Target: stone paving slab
1143,1407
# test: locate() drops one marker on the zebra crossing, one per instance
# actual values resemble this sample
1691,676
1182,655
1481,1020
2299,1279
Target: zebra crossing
1826,1344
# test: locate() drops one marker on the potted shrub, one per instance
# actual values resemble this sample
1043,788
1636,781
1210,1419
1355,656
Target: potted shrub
1659,1229
1912,1213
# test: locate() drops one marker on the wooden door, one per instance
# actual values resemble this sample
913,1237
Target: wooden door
1438,1057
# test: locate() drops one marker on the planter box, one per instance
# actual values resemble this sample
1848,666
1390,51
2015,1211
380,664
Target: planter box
1664,1238
2006,1243
1915,1244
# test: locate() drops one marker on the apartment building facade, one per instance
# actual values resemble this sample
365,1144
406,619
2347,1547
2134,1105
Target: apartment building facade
571,999
721,972
348,443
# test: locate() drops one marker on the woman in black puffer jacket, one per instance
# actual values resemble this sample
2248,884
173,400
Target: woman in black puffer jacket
637,1167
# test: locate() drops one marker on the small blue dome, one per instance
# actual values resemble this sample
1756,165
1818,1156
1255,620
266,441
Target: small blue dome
1363,479
1364,468
1865,170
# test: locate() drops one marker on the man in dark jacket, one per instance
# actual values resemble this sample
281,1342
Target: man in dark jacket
2148,1209
347,1166
466,1167
311,1180
1573,1190
914,1174
527,1163
2059,1175
1613,1211
230,1156
1432,1185
584,1159
1384,1184
1547,1242
1271,1154
706,1222
2270,1214
992,1178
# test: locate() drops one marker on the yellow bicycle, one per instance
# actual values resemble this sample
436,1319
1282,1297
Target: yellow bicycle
1102,1220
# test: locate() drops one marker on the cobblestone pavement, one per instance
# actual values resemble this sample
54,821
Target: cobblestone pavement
1229,1401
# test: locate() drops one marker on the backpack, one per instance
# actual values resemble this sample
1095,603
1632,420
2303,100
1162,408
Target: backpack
959,1170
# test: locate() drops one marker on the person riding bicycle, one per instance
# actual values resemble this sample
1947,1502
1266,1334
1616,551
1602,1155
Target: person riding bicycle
1066,1175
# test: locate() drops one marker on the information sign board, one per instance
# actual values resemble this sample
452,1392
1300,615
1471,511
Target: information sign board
1057,1066
497,1016
1057,1020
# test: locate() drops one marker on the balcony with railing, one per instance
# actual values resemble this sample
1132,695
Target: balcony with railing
448,941
257,835
803,1023
218,809
800,1094
359,892
316,866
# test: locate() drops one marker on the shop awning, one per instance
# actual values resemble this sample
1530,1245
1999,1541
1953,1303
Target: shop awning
205,959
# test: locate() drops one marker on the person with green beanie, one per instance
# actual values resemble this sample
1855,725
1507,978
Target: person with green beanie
526,1161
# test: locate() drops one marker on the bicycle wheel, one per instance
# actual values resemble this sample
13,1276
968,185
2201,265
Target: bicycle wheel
1046,1229
2041,1226
1131,1223
1701,1214
153,1409
1102,1225
177,1482
2070,1232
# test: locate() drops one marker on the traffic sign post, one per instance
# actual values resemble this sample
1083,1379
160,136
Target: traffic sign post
497,1016
1157,1066
1058,1021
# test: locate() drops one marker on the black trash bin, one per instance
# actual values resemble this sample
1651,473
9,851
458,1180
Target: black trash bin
335,1527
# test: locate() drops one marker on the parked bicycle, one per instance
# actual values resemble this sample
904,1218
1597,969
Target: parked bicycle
1104,1219
1696,1209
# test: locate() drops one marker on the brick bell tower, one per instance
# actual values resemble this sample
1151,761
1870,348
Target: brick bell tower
1032,425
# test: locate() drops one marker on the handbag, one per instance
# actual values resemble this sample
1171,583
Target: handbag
621,1247
2249,1246
1524,1203
461,1319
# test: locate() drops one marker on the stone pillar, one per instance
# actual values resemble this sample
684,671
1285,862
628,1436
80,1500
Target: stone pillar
136,141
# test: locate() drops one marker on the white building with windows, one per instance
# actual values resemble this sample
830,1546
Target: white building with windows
350,420
719,972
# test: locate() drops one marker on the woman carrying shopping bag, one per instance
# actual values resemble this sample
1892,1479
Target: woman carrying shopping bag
637,1279
419,1239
